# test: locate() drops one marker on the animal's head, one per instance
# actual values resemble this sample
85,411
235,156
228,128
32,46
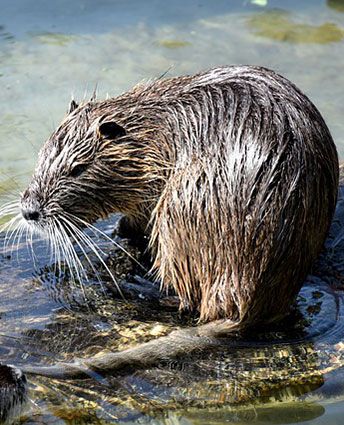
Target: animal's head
87,169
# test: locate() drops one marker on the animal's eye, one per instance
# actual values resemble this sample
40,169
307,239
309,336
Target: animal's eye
78,170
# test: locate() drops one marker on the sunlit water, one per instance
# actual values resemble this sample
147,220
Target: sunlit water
52,51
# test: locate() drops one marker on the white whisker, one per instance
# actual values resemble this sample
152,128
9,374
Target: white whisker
95,230
79,237
15,244
30,234
54,253
9,227
14,233
74,261
23,228
91,245
65,253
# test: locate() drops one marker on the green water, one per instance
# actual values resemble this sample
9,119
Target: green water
50,51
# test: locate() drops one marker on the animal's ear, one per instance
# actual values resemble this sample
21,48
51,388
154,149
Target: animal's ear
111,130
72,106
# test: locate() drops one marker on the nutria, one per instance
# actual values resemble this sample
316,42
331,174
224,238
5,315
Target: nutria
13,392
233,175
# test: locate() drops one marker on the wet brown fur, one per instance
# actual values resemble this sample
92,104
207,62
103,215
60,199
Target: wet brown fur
232,173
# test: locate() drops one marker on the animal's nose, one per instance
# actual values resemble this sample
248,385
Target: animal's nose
30,215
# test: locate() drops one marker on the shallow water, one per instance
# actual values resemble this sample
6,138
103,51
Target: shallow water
49,52
290,373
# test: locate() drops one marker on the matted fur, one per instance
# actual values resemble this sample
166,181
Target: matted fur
232,172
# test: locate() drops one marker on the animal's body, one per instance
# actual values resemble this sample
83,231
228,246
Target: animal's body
232,173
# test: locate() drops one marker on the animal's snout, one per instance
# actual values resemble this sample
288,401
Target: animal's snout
30,206
30,214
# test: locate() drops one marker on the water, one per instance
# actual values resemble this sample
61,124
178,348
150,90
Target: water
52,51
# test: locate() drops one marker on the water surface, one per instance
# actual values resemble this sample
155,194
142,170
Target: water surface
51,52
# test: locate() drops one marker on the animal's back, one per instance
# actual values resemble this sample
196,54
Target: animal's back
247,207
